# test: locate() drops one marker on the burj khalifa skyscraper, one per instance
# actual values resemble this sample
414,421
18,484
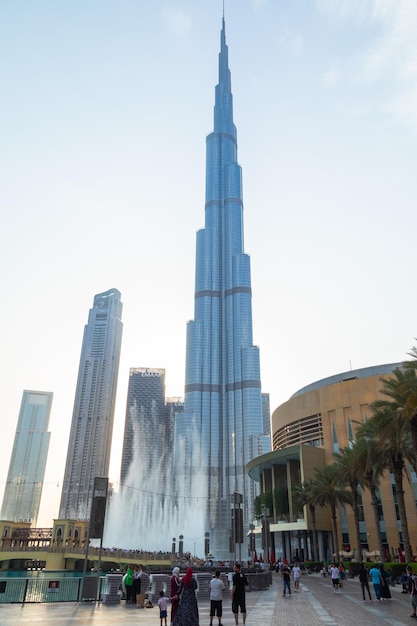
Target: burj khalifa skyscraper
221,428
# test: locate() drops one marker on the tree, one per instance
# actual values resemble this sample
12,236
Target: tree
265,499
351,473
391,426
330,492
400,390
409,390
304,495
280,500
370,458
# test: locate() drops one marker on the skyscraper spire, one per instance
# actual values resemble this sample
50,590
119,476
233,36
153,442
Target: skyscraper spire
222,416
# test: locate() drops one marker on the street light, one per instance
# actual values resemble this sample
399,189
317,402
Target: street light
265,513
237,524
251,541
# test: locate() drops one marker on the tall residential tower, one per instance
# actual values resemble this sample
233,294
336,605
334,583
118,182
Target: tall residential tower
223,401
92,419
147,437
24,484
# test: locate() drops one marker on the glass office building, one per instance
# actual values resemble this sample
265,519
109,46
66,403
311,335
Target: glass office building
147,436
92,420
223,409
24,484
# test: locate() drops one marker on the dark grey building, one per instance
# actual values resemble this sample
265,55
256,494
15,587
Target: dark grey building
147,437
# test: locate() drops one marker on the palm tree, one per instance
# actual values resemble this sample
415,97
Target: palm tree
304,495
351,474
330,492
370,458
406,386
391,426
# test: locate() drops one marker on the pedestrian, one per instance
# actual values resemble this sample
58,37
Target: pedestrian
163,606
128,581
334,573
404,581
216,597
341,575
187,613
238,593
364,581
375,575
286,579
412,590
385,592
137,582
174,586
296,572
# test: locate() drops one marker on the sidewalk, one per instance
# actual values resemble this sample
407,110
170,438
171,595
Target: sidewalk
314,605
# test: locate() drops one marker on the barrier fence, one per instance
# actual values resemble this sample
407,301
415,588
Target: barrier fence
56,589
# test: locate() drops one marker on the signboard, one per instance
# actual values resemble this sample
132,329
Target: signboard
98,508
53,586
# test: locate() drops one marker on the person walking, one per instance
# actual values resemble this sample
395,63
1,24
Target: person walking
375,575
174,586
296,573
334,573
385,578
364,581
286,579
238,593
187,613
216,597
412,590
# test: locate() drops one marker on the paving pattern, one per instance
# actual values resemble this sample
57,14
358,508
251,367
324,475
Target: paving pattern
314,605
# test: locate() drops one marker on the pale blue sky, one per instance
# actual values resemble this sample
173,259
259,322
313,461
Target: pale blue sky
105,109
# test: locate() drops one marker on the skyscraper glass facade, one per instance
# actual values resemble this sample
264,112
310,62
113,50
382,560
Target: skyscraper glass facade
147,437
92,420
24,484
223,403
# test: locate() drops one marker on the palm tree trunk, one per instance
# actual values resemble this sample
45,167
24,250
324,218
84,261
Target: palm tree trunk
334,532
413,429
398,477
355,508
314,529
374,501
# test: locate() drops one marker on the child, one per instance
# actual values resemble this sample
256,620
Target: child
162,603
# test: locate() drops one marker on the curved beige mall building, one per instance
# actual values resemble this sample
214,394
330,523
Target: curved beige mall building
307,430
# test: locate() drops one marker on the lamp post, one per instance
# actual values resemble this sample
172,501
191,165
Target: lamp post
251,541
265,513
173,550
181,547
206,544
237,524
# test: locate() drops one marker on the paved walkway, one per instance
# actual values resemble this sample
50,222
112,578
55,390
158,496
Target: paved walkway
314,605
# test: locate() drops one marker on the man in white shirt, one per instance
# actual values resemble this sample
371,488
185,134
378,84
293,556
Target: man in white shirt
216,597
334,572
296,572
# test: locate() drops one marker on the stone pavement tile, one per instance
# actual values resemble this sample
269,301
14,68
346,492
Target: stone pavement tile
260,606
317,605
314,605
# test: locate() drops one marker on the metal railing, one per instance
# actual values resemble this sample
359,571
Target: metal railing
20,590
